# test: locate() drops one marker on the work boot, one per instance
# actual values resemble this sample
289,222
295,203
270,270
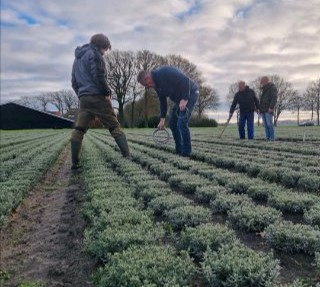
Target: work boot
75,154
123,145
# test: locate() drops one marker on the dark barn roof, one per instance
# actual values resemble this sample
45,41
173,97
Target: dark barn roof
14,116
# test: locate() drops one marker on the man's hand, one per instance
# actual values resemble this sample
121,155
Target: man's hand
161,124
183,105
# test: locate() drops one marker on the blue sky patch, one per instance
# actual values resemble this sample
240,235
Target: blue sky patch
30,20
194,9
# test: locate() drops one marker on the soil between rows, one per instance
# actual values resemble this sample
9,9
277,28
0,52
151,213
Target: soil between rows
42,240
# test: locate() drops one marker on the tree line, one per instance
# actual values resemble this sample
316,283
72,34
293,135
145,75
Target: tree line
136,104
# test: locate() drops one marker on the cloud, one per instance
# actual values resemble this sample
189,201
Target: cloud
227,40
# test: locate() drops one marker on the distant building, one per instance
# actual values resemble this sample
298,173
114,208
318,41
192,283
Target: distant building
15,116
56,113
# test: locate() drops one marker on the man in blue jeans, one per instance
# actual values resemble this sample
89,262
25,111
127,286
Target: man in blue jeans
268,101
170,82
248,103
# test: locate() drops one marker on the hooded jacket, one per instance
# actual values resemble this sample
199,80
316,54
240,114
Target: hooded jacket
268,97
247,101
89,75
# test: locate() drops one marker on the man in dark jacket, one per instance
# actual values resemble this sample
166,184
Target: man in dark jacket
171,82
89,81
248,103
268,101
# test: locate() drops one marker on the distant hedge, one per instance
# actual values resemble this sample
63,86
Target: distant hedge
203,122
194,122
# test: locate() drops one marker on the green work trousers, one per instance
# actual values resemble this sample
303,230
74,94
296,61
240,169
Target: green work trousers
96,106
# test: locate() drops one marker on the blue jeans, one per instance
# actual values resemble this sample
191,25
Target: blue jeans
267,119
249,118
179,125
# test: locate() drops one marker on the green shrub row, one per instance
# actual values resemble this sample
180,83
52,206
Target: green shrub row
149,266
128,243
293,238
197,240
22,173
312,216
292,202
197,235
237,265
253,218
280,198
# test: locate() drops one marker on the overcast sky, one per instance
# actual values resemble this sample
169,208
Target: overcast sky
228,40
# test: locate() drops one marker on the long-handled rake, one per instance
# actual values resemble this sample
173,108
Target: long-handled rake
224,127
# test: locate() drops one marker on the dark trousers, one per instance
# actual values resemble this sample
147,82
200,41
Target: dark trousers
179,125
248,118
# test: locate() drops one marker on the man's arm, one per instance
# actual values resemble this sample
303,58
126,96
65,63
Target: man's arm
233,105
98,71
161,123
163,106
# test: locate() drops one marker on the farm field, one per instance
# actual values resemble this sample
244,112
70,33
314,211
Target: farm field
237,213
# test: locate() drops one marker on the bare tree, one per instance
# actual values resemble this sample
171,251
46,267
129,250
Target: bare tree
310,101
147,61
43,101
137,91
31,102
56,99
296,104
208,99
233,89
70,100
185,66
121,69
313,98
285,93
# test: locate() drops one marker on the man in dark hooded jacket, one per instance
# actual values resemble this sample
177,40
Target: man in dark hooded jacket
248,103
89,81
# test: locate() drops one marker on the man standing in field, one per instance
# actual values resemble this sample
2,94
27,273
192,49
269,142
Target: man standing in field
89,81
171,82
248,103
268,101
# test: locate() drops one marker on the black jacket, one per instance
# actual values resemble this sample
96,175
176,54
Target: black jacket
268,98
247,101
89,76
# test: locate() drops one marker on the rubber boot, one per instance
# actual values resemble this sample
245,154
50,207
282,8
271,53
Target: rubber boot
123,145
75,154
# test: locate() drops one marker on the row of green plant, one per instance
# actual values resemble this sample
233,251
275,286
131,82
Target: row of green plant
242,213
122,234
20,174
278,197
262,156
180,213
19,158
15,138
282,175
294,148
248,216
